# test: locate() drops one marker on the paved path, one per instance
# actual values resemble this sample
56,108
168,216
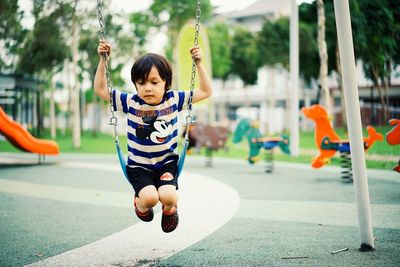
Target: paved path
76,211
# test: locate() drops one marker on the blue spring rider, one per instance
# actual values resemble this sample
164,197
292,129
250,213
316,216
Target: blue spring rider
256,141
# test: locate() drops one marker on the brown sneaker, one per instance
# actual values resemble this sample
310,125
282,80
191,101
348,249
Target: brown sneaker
169,220
146,216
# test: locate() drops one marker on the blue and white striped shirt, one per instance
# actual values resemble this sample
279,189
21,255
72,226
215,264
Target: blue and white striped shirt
152,130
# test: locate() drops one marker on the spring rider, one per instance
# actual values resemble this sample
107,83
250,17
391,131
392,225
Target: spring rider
256,142
212,138
393,137
328,142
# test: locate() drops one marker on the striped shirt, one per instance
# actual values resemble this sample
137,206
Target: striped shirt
152,130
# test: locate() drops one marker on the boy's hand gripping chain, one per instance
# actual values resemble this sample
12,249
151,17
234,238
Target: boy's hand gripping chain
189,118
113,119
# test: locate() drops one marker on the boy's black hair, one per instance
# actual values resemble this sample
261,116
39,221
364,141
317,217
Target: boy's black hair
141,69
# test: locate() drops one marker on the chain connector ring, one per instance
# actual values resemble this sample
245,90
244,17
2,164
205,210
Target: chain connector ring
113,121
189,119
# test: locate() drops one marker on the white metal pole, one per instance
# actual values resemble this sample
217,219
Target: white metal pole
343,26
294,78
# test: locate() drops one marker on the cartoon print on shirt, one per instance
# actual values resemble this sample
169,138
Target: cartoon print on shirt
157,130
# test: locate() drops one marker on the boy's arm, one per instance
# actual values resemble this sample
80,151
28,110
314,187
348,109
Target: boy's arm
100,80
205,88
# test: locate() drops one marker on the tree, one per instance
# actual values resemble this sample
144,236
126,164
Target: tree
122,43
45,50
379,50
76,89
308,52
173,14
273,42
141,23
12,34
220,43
323,55
309,23
395,8
245,56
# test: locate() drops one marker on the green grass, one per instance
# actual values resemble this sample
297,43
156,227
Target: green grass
103,143
90,143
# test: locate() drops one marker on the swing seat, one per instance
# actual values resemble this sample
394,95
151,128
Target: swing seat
182,157
270,144
122,160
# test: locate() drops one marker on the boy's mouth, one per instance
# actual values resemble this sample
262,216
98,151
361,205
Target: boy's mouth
161,140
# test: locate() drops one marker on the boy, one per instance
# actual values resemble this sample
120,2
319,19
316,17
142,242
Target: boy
153,129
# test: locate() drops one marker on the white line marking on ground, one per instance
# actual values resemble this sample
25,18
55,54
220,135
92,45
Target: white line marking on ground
388,175
326,213
205,205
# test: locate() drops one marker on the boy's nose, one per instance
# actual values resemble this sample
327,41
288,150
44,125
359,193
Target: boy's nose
147,87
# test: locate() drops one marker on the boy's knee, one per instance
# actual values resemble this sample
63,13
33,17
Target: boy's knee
168,195
148,198
168,200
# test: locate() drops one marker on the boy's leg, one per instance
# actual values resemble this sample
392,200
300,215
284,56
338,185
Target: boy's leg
147,198
168,197
144,203
167,185
146,195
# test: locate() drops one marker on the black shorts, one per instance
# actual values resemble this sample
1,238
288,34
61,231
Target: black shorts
140,178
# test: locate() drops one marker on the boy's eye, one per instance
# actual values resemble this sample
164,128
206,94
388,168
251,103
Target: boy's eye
154,83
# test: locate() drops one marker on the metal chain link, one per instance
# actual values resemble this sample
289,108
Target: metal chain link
189,118
196,43
113,120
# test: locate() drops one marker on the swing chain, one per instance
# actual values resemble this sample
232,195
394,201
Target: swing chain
189,117
113,119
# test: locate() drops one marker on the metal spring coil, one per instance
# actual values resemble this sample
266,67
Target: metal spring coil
269,160
209,157
345,164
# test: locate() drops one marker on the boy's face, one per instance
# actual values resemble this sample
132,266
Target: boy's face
151,90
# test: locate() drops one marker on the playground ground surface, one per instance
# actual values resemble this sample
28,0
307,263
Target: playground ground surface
76,210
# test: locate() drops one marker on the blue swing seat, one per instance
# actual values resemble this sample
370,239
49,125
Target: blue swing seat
122,160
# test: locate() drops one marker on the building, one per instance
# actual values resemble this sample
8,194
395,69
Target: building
20,98
267,101
253,16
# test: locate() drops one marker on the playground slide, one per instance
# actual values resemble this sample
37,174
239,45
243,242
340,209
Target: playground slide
22,139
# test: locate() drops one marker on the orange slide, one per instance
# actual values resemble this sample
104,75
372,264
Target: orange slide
22,139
